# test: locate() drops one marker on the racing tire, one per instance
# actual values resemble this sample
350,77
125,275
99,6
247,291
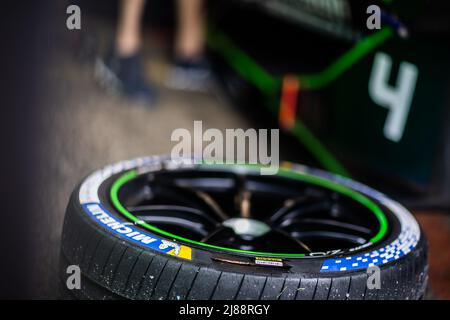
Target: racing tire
120,259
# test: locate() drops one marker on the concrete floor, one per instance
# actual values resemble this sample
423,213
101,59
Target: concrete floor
84,128
437,230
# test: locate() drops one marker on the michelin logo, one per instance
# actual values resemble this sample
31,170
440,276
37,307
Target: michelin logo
100,214
167,244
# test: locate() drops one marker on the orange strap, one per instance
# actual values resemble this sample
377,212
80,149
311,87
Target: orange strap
288,102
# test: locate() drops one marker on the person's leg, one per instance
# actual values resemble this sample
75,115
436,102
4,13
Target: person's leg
190,34
122,69
128,35
191,70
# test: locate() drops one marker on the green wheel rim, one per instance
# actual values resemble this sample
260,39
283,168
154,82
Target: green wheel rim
358,197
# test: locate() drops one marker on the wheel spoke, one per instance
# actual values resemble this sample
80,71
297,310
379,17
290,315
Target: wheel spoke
310,224
178,216
213,234
337,224
298,241
190,197
185,212
212,204
330,237
242,196
297,210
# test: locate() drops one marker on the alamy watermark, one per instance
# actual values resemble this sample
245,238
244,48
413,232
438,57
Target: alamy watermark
374,20
373,278
233,146
73,281
73,21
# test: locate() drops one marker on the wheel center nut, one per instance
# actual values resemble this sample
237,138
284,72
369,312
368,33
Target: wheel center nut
247,227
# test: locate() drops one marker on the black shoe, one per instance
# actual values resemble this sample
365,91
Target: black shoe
191,75
125,75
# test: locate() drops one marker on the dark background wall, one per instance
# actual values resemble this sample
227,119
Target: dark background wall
27,45
32,39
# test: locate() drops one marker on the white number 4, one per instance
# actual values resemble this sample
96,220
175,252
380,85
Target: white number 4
398,100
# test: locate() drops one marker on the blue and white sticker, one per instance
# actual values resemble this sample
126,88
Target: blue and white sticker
406,241
125,229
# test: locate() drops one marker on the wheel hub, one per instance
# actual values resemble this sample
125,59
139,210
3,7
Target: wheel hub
245,227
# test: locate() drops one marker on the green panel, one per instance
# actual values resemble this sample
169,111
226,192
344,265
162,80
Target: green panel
355,123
